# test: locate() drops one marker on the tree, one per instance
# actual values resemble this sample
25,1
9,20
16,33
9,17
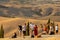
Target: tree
48,24
27,29
48,21
1,32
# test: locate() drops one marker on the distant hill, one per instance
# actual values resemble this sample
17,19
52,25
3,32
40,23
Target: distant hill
41,11
11,12
14,8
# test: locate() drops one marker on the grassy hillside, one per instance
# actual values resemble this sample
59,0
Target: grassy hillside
11,24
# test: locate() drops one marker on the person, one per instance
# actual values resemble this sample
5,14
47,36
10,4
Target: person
31,25
41,28
44,29
32,35
56,28
51,31
24,30
14,36
40,31
20,29
35,30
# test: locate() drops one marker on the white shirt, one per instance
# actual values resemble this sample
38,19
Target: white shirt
32,26
23,28
56,27
51,28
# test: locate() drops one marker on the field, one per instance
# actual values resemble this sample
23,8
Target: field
11,24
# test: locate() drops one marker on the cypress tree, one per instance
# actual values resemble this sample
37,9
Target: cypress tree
1,32
27,29
48,21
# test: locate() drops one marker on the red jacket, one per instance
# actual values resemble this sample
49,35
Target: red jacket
35,30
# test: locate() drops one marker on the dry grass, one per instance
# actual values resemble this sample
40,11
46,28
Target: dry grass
49,38
11,24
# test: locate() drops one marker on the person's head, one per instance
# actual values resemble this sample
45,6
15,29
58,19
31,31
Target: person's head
36,25
44,24
57,25
24,23
30,22
40,24
15,33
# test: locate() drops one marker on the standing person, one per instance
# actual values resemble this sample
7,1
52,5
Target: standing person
56,28
20,29
35,30
32,29
51,31
24,30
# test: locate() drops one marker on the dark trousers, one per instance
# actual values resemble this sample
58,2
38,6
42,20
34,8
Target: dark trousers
24,33
51,33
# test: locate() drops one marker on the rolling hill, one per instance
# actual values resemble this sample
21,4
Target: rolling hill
32,8
30,11
10,25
